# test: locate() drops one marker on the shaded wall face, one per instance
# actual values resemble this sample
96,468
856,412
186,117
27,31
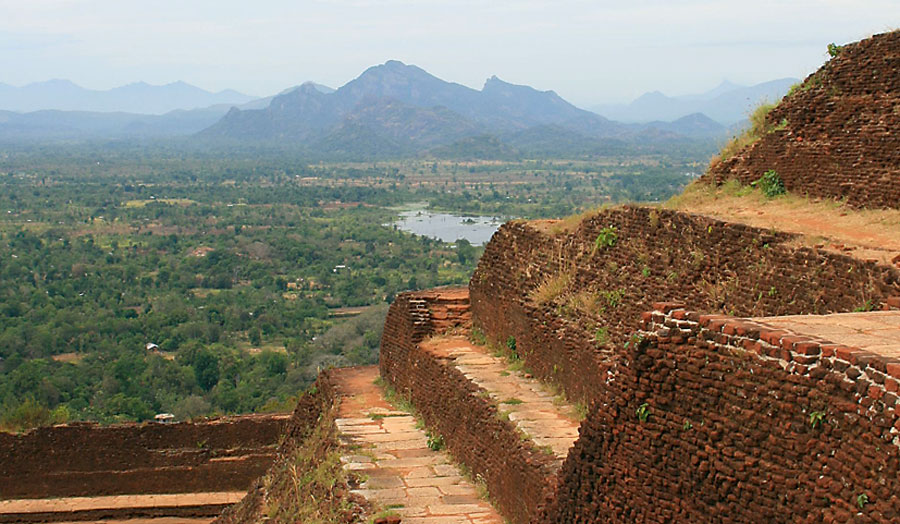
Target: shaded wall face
714,423
271,487
86,459
836,137
658,255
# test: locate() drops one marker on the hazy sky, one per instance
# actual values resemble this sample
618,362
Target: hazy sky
588,51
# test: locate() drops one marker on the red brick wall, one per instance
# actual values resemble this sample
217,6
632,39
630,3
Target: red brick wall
840,138
316,406
519,477
729,437
86,459
713,266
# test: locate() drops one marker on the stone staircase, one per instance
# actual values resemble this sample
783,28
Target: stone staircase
508,429
405,473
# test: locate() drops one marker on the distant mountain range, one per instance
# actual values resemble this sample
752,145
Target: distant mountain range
400,109
390,110
727,104
139,97
53,124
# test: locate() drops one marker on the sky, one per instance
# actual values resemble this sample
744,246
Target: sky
589,51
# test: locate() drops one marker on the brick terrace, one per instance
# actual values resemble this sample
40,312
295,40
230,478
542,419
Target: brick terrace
875,331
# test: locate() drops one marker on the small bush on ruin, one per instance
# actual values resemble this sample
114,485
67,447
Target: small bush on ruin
607,238
551,288
770,184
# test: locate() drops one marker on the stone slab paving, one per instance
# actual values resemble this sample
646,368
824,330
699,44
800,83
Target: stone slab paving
874,331
542,416
401,473
123,502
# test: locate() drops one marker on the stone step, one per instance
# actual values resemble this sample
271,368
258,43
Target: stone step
402,470
506,427
187,506
538,414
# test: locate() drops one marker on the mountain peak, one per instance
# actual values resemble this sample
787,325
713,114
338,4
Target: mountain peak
725,87
55,83
652,95
393,69
495,82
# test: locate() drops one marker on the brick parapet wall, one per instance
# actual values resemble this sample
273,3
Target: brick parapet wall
87,459
316,406
721,419
519,477
870,379
719,266
837,135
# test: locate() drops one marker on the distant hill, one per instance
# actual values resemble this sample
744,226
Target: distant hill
262,103
395,108
390,110
727,104
139,97
696,125
308,112
81,125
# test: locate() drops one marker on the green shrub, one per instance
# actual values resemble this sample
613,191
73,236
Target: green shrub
643,412
816,418
770,184
32,414
607,238
435,442
834,49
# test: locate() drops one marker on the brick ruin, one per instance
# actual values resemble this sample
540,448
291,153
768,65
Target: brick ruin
739,419
658,255
728,401
86,460
835,136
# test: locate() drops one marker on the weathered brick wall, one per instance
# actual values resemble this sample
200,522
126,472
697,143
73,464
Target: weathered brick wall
711,265
519,477
732,431
314,407
86,459
841,133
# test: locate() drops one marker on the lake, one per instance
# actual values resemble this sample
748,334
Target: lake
447,227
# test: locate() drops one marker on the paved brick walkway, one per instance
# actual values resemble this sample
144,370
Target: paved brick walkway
402,473
547,420
874,331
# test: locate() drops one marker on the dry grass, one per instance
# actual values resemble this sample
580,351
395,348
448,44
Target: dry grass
551,288
758,129
586,302
571,222
827,224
